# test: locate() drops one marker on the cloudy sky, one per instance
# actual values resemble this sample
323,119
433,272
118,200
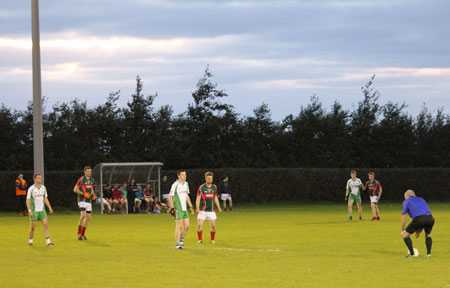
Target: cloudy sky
277,52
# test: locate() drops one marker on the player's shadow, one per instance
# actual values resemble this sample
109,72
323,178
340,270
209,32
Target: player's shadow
96,243
387,252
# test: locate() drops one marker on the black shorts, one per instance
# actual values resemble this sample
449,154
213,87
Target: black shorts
419,223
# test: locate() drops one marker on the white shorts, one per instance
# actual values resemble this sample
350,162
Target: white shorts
136,200
225,197
84,206
210,216
374,199
165,196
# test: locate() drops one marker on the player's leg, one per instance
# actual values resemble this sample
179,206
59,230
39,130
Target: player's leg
230,203
224,200
350,207
428,240
377,211
410,229
200,222
212,226
178,227
46,232
81,222
373,206
31,232
358,204
184,229
137,205
86,220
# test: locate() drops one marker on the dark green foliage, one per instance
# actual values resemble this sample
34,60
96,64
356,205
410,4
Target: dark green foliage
211,134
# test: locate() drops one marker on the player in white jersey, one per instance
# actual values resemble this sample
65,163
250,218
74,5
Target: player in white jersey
353,194
36,198
178,198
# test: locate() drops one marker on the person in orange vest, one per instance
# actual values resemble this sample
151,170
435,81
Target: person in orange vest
21,194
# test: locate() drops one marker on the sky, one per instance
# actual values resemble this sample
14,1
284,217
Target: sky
275,52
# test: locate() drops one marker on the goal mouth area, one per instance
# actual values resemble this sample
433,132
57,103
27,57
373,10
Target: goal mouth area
122,172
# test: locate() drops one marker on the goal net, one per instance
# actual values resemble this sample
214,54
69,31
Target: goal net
117,173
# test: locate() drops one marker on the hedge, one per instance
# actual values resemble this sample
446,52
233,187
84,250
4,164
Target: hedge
264,185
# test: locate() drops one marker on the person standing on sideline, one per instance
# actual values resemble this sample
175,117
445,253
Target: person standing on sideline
353,194
422,219
374,188
132,191
21,195
85,190
36,198
165,190
178,198
225,193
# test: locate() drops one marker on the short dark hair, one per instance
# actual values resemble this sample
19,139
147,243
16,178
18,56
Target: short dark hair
87,168
35,175
179,171
372,173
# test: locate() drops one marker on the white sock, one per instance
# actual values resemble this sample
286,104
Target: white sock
48,240
30,240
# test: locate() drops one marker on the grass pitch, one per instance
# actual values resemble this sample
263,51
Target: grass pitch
279,245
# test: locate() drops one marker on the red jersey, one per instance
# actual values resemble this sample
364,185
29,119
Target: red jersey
116,194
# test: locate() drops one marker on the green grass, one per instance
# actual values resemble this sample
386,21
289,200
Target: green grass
289,245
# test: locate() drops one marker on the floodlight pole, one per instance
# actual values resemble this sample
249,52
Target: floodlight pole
38,143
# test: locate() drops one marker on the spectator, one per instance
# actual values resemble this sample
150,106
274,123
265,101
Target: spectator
225,193
165,190
158,206
139,198
21,195
118,200
132,190
107,198
148,197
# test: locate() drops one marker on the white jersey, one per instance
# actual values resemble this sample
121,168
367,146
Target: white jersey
353,186
179,192
36,197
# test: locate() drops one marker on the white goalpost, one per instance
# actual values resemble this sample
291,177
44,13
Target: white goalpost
143,172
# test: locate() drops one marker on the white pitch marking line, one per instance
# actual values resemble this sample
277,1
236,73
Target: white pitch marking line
237,249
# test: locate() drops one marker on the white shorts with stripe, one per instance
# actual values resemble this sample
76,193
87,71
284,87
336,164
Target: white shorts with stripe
84,206
224,197
374,199
203,215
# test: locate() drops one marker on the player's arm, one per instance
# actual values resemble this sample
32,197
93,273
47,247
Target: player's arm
216,200
28,202
188,200
197,203
379,194
346,192
47,203
403,222
77,190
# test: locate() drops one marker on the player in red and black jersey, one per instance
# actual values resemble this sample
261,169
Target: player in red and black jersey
85,190
374,188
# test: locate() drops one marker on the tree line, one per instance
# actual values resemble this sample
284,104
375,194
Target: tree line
211,134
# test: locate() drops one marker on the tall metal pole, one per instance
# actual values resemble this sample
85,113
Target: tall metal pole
38,143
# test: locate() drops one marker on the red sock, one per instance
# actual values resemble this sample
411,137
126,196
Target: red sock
213,235
224,209
199,233
83,231
79,229
231,208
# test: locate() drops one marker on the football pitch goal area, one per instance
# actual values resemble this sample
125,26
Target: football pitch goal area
122,172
